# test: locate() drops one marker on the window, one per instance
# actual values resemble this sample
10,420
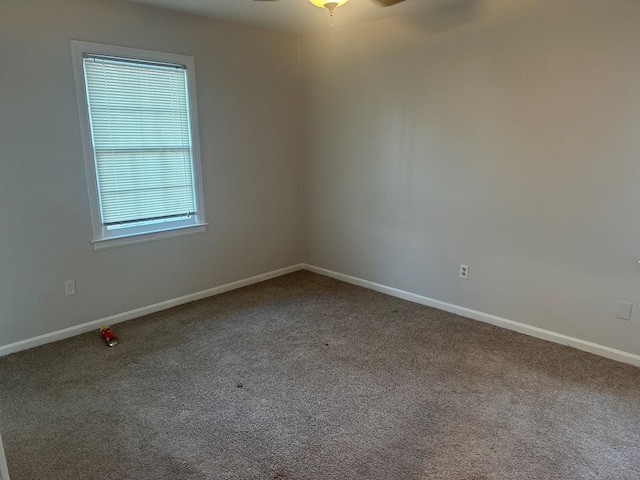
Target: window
139,128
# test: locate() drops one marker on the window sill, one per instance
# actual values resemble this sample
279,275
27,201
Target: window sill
105,243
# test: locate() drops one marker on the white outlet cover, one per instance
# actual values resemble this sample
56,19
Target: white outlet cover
70,288
464,271
624,311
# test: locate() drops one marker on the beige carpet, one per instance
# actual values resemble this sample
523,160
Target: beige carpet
304,377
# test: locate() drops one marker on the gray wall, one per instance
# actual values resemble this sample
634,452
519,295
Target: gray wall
509,141
249,108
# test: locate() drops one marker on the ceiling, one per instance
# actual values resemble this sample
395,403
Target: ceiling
297,16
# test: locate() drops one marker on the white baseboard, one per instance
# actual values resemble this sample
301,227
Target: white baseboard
590,347
140,312
587,346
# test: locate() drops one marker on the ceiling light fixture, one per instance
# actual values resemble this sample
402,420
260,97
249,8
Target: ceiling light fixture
329,5
332,4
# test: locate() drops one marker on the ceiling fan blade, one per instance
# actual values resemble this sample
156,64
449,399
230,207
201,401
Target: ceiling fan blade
388,3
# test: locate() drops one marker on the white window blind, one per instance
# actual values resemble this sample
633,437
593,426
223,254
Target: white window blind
139,120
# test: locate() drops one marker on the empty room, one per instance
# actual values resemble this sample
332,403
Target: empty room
311,240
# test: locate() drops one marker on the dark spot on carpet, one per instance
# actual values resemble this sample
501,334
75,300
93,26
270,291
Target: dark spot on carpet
240,385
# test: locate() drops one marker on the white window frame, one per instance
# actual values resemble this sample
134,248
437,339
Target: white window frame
102,238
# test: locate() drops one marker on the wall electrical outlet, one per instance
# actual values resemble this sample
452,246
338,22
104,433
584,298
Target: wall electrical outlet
624,311
70,287
464,271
